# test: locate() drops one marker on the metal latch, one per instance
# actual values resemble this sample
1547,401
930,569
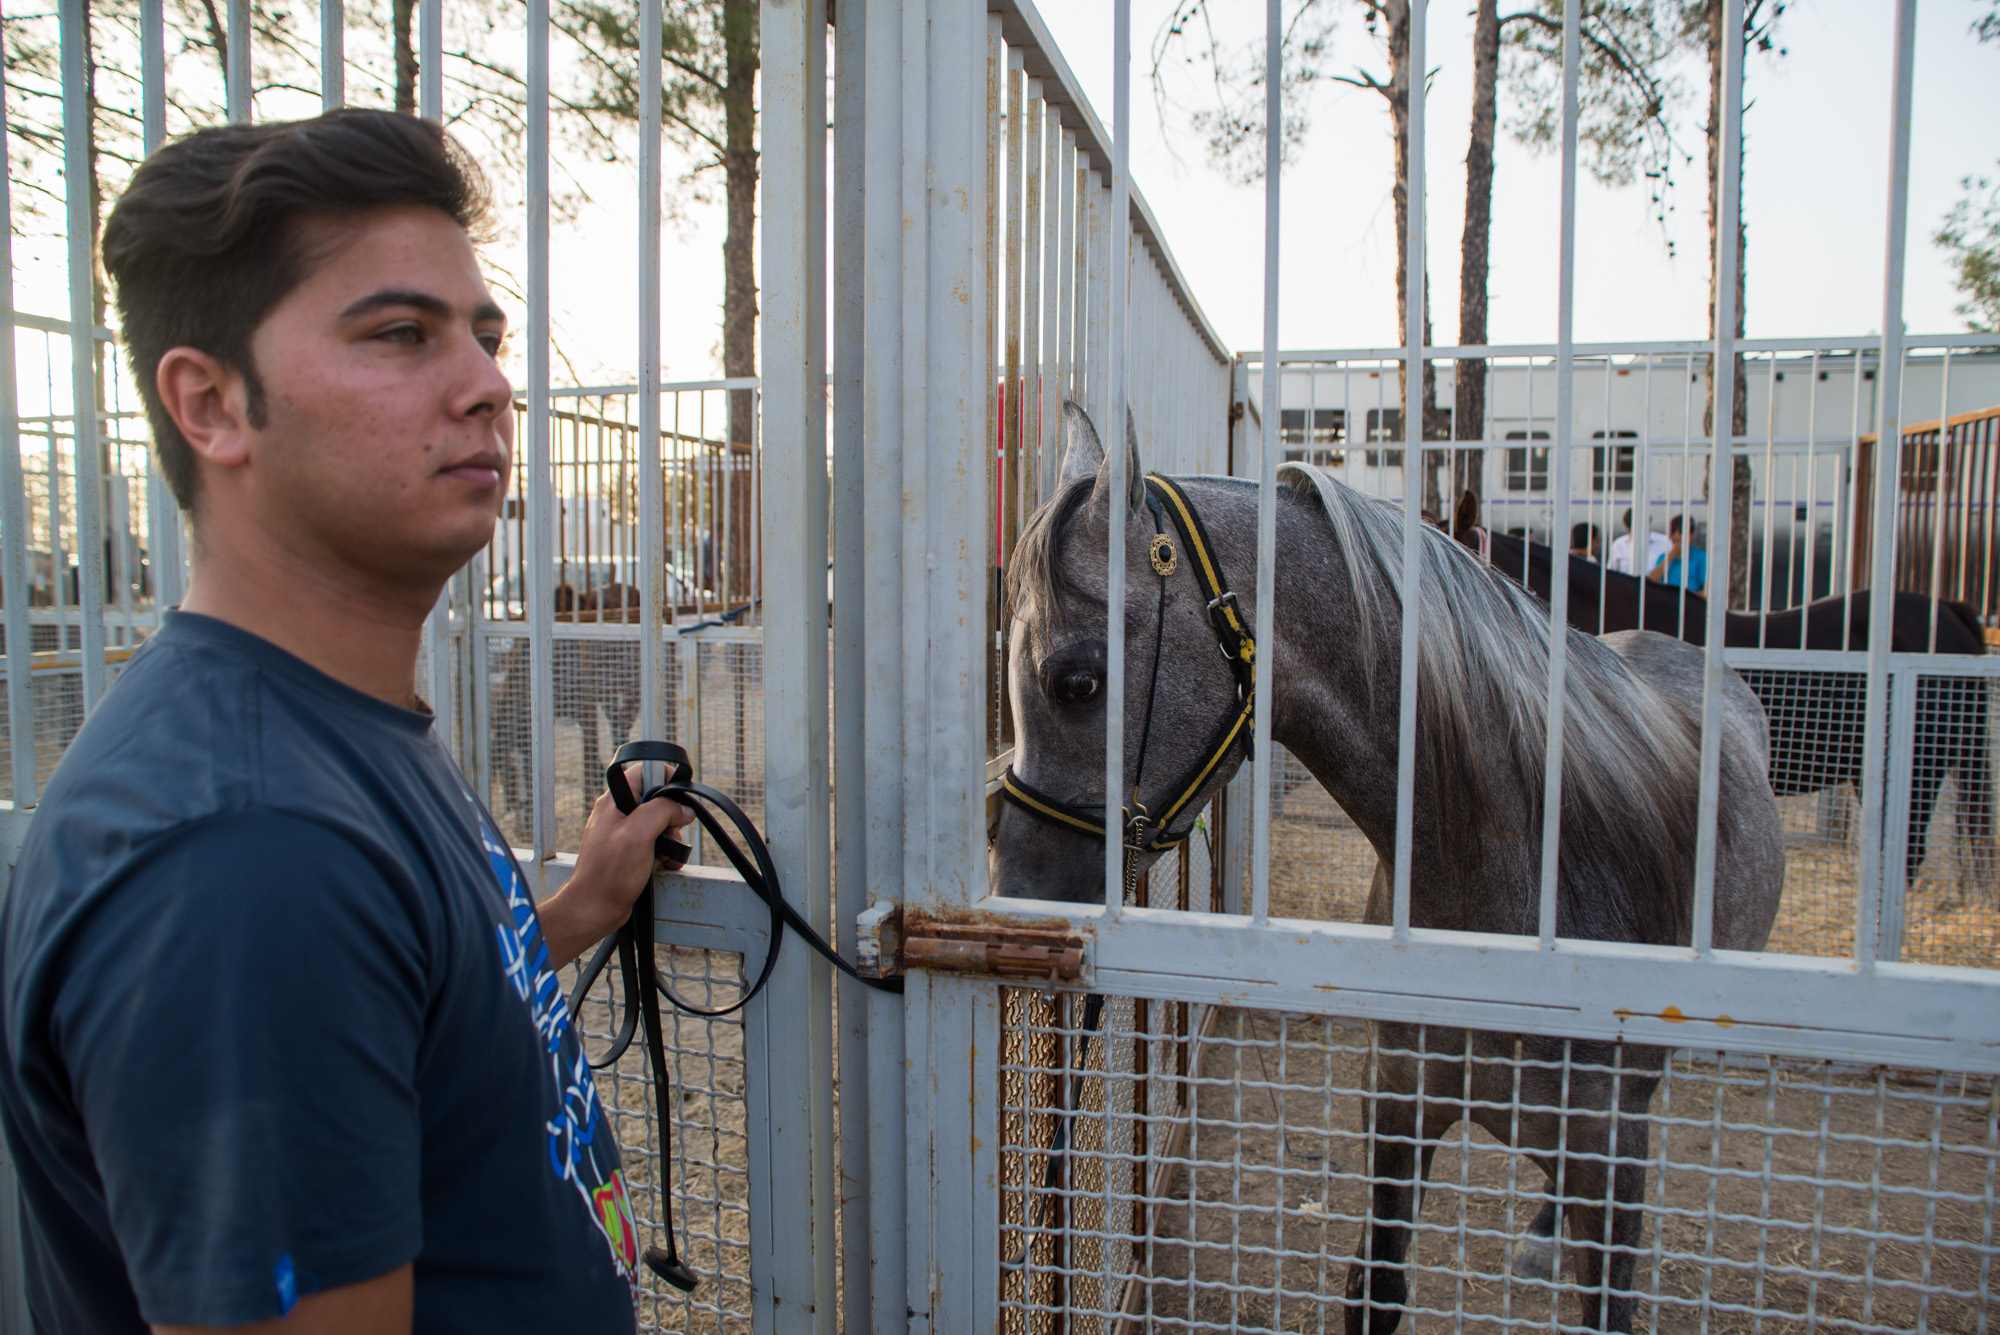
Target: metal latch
878,940
1044,951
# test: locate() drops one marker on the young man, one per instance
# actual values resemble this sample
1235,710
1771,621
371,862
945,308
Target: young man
283,1035
1622,548
1684,565
1585,540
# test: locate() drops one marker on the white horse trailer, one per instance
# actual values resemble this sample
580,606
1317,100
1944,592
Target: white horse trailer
1189,1151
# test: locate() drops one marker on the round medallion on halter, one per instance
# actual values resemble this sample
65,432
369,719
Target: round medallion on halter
1162,553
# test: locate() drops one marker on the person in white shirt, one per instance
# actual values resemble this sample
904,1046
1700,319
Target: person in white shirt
1657,548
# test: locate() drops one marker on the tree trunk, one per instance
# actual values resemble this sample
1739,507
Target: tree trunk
402,14
741,42
1739,415
1396,14
1469,409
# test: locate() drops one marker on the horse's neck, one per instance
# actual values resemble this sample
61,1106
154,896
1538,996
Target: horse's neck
1323,708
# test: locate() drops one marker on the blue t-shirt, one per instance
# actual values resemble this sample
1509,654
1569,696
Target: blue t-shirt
1696,577
278,1017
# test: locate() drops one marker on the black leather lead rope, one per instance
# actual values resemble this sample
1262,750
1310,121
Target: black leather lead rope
638,967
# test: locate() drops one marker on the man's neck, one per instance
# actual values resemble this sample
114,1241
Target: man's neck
354,629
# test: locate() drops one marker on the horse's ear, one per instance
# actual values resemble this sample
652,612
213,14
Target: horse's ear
1135,472
1466,517
1082,452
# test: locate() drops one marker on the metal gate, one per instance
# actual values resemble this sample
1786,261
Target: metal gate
1824,1143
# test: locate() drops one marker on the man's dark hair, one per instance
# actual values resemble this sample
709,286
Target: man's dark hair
206,239
1581,536
1628,519
1673,525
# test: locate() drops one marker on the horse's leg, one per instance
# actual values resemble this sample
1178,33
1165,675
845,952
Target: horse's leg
1604,1277
1537,1255
1603,1206
1378,1282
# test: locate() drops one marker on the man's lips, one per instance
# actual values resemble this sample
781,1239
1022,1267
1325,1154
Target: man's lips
480,469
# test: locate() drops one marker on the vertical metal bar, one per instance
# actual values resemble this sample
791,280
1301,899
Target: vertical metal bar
1904,684
1007,506
881,443
1943,508
14,521
332,54
83,354
1722,452
1048,303
655,588
1562,440
538,485
441,688
1113,434
850,646
953,1268
1267,474
1069,292
790,1037
1888,475
237,69
1413,470
152,72
169,549
430,59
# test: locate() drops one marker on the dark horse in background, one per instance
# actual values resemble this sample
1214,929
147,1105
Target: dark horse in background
596,681
1818,719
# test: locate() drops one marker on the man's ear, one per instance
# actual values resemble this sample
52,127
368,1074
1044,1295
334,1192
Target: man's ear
210,403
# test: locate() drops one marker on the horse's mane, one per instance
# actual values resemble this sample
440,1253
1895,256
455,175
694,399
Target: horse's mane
1630,758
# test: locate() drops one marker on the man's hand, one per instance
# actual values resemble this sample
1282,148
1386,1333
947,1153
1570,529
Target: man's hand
612,867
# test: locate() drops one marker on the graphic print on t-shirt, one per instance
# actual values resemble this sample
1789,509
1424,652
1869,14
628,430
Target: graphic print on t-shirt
576,1155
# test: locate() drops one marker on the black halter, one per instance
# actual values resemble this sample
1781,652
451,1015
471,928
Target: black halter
1147,831
639,971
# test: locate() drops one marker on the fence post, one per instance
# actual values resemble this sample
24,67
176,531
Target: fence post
789,1028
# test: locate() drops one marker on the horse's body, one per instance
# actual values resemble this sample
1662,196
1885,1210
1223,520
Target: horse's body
1818,719
1626,864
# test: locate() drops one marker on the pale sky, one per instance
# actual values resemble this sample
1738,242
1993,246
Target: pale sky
1815,190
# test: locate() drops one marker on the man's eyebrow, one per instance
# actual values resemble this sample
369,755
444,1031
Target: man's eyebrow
484,313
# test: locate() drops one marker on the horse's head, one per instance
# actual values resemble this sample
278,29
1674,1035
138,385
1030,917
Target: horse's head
1057,678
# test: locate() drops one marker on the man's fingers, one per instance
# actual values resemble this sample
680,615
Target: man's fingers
662,814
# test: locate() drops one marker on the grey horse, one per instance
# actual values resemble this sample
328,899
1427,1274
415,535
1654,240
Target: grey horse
1330,681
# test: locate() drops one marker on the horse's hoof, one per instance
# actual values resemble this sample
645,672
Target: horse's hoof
1535,1257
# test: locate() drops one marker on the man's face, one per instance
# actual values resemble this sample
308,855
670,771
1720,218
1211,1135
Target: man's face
389,431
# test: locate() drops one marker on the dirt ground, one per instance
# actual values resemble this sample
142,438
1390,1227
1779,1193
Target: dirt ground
1779,1199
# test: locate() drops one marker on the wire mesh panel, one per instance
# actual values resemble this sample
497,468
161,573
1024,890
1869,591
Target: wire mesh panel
1748,1193
709,1146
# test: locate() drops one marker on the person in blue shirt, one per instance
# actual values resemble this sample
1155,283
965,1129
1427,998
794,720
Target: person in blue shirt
282,1040
1685,565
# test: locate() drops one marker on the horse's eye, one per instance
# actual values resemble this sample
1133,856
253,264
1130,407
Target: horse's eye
1076,686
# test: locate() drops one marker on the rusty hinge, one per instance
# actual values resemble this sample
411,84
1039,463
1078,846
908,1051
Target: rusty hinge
1045,951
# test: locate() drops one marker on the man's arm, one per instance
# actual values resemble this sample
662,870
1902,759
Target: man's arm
240,1029
379,1306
